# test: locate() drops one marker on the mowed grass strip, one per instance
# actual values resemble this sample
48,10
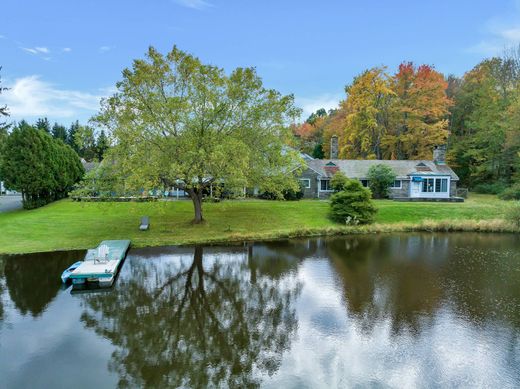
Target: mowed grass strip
67,225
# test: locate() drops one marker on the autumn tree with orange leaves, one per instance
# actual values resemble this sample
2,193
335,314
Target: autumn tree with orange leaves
384,116
419,113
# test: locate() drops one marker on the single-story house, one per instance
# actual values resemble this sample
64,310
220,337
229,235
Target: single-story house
415,179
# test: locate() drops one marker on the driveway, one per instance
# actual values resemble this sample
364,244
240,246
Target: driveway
10,203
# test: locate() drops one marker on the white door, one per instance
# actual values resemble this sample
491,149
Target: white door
415,189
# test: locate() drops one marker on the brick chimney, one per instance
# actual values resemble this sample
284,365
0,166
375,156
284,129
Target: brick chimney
334,147
439,154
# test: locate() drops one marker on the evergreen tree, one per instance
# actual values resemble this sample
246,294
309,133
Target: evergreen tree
59,132
44,125
102,145
71,136
43,169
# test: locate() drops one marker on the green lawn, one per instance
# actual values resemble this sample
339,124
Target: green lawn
67,225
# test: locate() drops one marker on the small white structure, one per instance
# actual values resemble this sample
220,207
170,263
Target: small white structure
5,191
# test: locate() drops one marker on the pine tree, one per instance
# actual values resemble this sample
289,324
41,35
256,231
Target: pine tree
102,145
44,125
59,132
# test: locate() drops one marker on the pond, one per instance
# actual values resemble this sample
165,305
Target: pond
422,310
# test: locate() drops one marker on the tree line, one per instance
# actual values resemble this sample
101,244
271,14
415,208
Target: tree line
405,114
83,139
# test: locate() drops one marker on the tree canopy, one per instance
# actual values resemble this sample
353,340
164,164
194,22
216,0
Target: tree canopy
384,116
177,122
41,168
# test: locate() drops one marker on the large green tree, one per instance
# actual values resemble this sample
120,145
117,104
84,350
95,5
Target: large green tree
43,169
177,122
484,123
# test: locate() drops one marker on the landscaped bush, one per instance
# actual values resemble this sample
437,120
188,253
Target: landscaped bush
339,181
511,193
380,177
352,205
287,194
490,188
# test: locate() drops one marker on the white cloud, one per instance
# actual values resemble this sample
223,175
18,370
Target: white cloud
44,50
104,49
312,104
38,51
29,50
3,37
501,33
30,97
194,4
66,49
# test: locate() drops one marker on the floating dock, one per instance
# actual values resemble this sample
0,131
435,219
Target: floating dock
101,265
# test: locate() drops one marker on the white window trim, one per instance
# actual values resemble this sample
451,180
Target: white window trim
306,183
435,185
434,194
325,190
397,187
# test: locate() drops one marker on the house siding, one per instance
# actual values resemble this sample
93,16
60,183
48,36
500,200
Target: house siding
312,192
453,188
404,191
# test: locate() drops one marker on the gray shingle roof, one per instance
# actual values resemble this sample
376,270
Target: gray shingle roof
358,168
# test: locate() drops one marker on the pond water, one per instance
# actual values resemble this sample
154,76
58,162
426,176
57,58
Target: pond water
400,311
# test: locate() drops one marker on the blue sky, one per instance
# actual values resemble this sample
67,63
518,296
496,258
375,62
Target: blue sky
60,56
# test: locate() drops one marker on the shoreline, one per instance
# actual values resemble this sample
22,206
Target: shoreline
429,226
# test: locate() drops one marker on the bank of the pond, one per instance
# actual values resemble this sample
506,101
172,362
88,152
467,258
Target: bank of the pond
68,225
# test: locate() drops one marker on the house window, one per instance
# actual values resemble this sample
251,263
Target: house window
305,182
324,185
441,185
437,185
428,185
397,184
364,183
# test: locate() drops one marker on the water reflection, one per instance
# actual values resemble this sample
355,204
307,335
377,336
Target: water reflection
197,322
33,280
423,310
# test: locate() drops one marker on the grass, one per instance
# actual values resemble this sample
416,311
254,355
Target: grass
67,225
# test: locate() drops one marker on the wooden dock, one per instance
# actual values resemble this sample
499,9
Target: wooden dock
101,265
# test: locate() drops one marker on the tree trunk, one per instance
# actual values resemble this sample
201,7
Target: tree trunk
196,197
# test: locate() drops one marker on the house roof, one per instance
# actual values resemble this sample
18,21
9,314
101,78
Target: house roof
358,168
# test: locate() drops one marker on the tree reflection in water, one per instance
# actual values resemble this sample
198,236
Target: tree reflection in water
33,280
205,322
409,279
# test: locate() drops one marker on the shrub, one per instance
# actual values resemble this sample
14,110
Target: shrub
339,181
352,205
287,194
511,193
490,188
380,177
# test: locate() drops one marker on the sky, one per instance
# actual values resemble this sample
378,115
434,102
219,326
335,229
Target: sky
59,57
